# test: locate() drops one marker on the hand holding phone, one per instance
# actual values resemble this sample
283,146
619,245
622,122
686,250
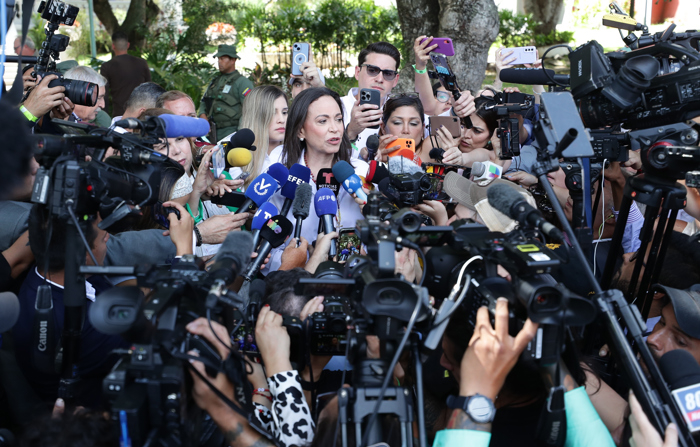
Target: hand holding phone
520,55
444,45
300,54
371,96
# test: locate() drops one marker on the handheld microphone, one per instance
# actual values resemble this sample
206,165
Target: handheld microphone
377,172
437,153
532,76
301,207
232,257
345,174
243,138
259,191
511,203
273,234
326,206
262,215
9,310
372,146
256,292
326,179
681,372
238,157
298,174
280,173
486,170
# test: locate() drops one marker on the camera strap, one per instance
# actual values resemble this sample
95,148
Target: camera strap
551,428
44,341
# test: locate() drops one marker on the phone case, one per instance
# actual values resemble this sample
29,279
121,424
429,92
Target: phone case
523,55
407,146
451,122
233,199
300,54
371,96
444,46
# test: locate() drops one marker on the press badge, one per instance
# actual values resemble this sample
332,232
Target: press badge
227,88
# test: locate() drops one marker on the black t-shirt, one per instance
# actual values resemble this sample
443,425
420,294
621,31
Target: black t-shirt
516,426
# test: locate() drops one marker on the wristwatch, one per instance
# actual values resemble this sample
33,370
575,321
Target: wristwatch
479,408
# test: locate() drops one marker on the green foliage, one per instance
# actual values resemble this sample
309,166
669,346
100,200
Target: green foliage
518,30
80,45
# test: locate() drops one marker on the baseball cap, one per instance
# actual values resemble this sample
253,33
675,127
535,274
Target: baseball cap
686,306
227,50
473,196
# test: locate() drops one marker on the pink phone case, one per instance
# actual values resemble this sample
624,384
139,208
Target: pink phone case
444,46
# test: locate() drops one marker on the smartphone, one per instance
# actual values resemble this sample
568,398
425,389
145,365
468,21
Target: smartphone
242,176
233,199
300,54
444,45
450,122
406,145
523,55
348,243
371,96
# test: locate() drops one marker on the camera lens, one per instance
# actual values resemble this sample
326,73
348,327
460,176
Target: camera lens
81,92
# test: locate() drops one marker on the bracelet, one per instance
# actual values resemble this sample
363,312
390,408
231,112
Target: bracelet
27,114
198,235
423,71
261,392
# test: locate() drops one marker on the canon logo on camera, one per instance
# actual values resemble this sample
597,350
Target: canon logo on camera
43,330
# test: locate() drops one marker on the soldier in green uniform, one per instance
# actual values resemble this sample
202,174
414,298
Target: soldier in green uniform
222,103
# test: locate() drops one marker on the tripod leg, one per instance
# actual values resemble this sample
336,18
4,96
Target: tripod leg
420,407
645,236
656,258
616,245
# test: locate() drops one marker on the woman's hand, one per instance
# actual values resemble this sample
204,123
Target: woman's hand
644,434
312,306
522,178
221,186
202,181
180,229
452,156
445,139
273,342
464,106
433,209
503,60
422,51
320,252
405,263
385,147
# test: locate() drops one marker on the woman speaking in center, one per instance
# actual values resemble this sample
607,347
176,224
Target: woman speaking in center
315,137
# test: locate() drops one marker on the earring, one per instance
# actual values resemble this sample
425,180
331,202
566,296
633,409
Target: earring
301,139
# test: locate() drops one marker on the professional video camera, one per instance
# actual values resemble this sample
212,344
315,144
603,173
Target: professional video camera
56,13
507,107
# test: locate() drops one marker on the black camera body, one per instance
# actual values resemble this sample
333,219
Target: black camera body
328,330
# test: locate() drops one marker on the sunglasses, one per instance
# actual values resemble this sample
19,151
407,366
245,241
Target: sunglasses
413,95
373,71
443,96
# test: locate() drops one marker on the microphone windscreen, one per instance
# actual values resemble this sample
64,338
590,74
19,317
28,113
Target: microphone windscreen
679,368
298,174
530,76
377,172
478,168
373,142
262,188
279,172
326,179
302,201
263,214
325,202
342,170
237,246
243,138
239,156
276,230
184,126
502,197
402,165
9,310
436,153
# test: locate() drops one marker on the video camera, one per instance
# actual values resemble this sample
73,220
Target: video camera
56,13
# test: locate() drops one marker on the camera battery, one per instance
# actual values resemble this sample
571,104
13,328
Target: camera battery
41,186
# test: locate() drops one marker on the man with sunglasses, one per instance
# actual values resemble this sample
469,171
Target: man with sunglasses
377,69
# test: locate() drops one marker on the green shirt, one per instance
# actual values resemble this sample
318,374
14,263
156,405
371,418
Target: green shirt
223,101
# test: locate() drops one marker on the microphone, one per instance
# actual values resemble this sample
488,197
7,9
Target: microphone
532,76
345,174
511,203
243,138
298,174
301,207
437,153
377,172
230,260
259,192
326,206
256,292
280,173
402,165
326,179
175,125
372,146
262,215
238,157
273,234
486,170
9,311
681,372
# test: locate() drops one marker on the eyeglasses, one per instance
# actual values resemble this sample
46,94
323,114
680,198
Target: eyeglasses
413,95
443,96
373,71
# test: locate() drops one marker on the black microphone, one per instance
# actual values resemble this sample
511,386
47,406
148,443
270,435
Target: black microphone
232,257
44,331
532,76
256,292
681,372
437,153
9,311
301,207
511,203
372,146
273,233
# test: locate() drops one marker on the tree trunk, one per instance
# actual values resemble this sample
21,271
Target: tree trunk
140,15
473,27
103,11
417,18
548,12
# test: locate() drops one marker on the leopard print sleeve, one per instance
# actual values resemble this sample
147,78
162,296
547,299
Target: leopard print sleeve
293,424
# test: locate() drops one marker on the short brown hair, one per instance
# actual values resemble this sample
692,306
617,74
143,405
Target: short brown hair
171,95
